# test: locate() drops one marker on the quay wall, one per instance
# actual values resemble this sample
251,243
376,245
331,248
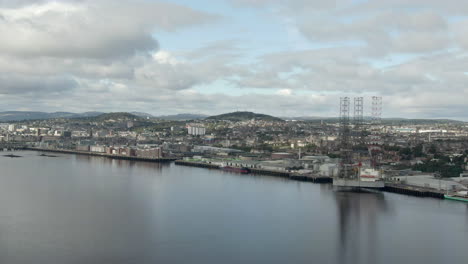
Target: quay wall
413,191
256,171
389,187
196,164
112,156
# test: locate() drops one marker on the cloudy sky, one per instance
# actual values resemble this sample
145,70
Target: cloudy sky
286,58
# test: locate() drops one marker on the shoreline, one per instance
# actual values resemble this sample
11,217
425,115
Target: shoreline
255,171
111,156
389,187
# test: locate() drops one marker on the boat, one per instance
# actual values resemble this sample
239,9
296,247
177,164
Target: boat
368,178
456,198
236,169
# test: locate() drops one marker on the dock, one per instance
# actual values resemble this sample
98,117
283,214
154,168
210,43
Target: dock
196,164
257,171
413,191
97,154
311,178
389,187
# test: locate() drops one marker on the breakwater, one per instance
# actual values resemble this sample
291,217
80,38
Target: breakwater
281,174
112,156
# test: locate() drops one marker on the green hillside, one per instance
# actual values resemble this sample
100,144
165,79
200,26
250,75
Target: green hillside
244,116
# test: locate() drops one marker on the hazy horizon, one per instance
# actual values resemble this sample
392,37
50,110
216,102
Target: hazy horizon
310,117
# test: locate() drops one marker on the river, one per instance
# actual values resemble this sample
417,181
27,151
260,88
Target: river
81,209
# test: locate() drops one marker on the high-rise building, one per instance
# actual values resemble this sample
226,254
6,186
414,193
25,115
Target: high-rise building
196,130
12,128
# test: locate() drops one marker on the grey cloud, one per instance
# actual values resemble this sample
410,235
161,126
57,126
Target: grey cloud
461,33
291,4
420,42
89,68
18,3
91,29
34,85
454,7
330,71
382,27
383,33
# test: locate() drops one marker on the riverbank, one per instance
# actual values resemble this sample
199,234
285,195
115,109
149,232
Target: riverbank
111,156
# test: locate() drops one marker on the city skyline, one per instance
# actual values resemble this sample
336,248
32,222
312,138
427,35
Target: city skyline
264,56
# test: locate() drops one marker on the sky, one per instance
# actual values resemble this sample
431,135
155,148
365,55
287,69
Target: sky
284,58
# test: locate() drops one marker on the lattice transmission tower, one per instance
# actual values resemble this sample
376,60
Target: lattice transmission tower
376,109
358,121
345,135
375,146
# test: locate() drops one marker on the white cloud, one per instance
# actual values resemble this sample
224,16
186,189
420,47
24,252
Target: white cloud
284,92
165,57
62,45
90,29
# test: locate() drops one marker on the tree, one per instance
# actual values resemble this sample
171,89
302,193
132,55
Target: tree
405,153
417,151
310,147
432,149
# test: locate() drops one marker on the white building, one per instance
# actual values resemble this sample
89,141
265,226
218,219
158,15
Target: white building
12,128
196,130
99,149
429,181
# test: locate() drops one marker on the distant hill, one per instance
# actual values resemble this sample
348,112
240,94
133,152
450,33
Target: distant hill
397,121
244,116
31,115
305,118
182,117
141,114
111,116
11,116
387,121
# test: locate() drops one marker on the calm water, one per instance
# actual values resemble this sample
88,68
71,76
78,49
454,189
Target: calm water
78,209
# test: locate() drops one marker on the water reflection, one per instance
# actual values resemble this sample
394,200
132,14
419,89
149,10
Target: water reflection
122,163
115,211
358,236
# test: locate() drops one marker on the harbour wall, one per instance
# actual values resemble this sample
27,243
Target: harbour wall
281,174
413,191
389,187
112,156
